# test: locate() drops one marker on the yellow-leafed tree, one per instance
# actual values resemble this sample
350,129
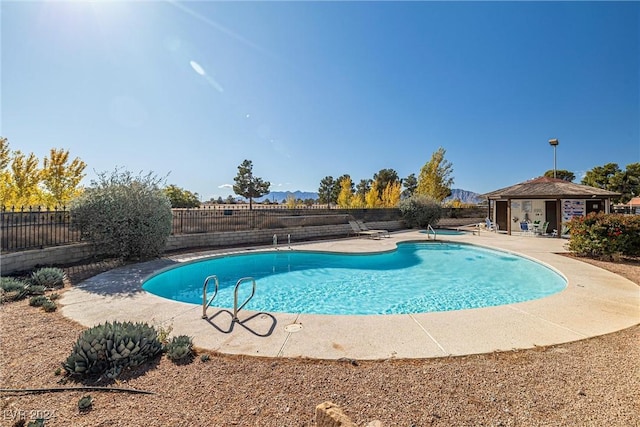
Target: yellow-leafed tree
23,184
435,177
391,194
25,179
346,193
373,196
5,175
60,178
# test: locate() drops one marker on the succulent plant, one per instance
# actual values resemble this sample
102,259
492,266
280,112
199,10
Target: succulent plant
35,289
180,349
85,403
38,301
38,422
49,277
49,306
108,348
12,289
205,358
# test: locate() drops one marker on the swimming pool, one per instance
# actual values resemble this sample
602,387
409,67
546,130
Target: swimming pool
445,232
415,278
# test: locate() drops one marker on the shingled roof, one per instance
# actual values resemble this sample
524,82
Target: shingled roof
548,188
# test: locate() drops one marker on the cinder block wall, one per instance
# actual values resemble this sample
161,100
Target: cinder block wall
68,254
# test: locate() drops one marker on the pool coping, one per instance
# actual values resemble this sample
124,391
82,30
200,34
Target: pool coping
595,302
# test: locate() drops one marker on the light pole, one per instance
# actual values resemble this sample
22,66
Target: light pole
554,143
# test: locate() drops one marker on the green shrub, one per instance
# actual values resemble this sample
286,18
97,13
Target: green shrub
38,300
605,236
126,216
180,349
54,296
49,306
420,211
49,277
109,348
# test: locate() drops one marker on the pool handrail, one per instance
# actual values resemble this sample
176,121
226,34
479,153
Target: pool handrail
429,227
236,309
206,304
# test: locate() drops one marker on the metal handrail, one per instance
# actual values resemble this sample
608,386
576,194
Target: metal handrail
429,227
236,309
206,304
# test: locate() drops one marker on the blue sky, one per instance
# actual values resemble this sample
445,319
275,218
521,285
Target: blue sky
311,89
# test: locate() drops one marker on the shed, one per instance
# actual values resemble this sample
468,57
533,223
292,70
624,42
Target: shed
546,199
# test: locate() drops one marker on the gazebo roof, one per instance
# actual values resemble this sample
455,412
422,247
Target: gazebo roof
634,202
548,188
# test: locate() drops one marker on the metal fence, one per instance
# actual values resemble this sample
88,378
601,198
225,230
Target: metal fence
34,228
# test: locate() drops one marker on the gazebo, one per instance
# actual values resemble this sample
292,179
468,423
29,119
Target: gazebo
545,199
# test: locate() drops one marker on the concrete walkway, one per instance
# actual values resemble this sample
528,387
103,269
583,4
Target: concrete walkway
595,302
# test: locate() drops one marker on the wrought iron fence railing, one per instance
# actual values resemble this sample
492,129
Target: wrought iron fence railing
34,228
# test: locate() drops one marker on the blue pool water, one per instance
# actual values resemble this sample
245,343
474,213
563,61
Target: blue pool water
415,278
445,232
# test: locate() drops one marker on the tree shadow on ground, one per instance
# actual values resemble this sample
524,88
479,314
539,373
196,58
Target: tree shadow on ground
123,280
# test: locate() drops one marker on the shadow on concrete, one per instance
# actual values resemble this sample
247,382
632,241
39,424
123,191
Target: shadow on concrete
259,322
125,280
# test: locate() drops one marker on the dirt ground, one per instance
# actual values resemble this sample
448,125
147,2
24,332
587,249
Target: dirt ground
594,382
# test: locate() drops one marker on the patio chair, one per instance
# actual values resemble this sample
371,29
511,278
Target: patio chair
524,228
491,226
360,232
363,227
542,229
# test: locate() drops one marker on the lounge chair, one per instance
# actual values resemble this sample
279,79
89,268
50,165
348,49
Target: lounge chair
363,227
360,232
491,226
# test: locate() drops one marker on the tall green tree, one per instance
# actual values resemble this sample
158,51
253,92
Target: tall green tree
410,184
326,190
611,177
562,174
384,177
435,179
363,187
600,176
249,186
181,198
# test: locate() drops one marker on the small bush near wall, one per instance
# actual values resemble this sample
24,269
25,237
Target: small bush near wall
420,211
606,236
126,216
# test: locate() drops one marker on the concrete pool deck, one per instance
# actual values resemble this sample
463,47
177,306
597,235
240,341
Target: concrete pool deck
595,302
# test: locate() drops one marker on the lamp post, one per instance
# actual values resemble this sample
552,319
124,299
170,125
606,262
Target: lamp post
554,143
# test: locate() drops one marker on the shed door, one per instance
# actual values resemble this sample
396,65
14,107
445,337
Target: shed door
550,209
501,215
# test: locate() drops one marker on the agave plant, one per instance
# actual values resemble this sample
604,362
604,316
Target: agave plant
180,349
109,348
49,277
12,289
38,300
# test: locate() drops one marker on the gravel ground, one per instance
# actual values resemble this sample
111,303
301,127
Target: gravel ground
593,382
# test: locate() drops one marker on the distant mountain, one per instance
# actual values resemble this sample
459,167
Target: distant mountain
281,196
464,196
